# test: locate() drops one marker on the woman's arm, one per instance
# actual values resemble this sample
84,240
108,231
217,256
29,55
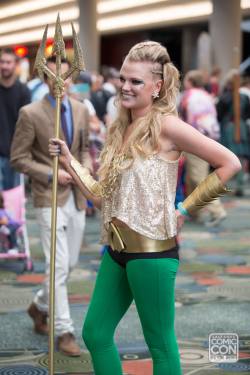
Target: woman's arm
188,139
80,174
225,163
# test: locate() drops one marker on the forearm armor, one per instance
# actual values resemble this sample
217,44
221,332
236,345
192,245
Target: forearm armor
207,191
93,186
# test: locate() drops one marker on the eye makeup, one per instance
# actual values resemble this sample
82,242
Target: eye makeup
133,81
136,81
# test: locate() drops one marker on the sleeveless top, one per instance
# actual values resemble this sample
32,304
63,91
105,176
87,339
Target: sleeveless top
143,198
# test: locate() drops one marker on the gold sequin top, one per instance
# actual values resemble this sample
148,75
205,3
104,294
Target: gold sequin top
143,198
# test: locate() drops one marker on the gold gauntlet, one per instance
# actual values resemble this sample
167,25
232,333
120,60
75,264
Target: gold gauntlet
207,191
89,182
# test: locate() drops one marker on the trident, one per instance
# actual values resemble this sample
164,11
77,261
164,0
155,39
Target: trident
58,79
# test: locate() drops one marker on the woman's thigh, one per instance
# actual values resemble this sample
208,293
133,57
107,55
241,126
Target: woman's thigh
111,299
152,282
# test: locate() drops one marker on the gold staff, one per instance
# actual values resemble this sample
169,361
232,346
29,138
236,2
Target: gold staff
58,79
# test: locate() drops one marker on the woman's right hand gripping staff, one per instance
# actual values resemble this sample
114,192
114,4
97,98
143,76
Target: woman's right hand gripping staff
80,174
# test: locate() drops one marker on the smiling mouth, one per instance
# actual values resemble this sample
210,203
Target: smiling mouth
127,96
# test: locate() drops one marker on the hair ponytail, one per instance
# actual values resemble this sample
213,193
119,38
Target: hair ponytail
167,102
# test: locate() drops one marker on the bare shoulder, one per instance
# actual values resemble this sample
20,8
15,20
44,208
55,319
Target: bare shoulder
167,141
184,136
188,139
176,130
172,124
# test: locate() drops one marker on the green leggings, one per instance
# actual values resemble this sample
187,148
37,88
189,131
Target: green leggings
150,282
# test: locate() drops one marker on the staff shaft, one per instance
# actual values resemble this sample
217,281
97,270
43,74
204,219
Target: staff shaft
53,244
58,79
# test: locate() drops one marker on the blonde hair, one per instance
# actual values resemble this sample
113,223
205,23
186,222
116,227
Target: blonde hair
144,139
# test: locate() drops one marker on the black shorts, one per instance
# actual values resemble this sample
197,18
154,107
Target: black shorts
122,258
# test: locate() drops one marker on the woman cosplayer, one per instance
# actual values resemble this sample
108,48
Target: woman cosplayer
136,193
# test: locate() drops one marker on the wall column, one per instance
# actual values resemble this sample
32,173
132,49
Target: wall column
88,34
226,34
189,48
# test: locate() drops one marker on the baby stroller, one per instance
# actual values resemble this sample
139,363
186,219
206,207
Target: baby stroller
14,202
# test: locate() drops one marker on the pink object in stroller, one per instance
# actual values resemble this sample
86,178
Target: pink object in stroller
14,202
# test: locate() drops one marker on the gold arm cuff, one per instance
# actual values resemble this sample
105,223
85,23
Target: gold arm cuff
88,181
207,191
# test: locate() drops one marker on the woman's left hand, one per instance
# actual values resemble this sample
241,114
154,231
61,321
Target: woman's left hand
180,220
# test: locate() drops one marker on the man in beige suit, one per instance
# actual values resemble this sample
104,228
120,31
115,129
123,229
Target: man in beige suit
29,155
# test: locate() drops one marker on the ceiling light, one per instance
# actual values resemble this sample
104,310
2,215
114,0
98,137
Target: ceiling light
22,7
114,5
35,35
161,15
29,22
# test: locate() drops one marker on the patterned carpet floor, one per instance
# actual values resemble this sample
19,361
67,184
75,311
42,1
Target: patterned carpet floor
212,296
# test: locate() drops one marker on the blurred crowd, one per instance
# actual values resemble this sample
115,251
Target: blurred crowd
220,109
206,102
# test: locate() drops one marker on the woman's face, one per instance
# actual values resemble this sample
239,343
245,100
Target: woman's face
137,83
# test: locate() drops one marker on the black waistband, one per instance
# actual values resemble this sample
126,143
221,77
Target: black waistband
122,258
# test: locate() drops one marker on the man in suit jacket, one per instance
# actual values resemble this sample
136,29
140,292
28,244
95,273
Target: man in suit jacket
29,154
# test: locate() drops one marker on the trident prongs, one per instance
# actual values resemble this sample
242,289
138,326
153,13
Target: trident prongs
40,62
58,45
78,62
59,50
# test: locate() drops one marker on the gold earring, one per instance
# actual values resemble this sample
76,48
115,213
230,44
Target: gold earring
155,94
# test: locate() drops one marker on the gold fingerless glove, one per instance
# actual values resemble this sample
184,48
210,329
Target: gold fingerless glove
89,182
207,191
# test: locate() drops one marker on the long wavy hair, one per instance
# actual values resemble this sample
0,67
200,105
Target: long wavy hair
144,140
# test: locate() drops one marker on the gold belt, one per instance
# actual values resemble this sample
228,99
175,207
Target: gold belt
129,241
